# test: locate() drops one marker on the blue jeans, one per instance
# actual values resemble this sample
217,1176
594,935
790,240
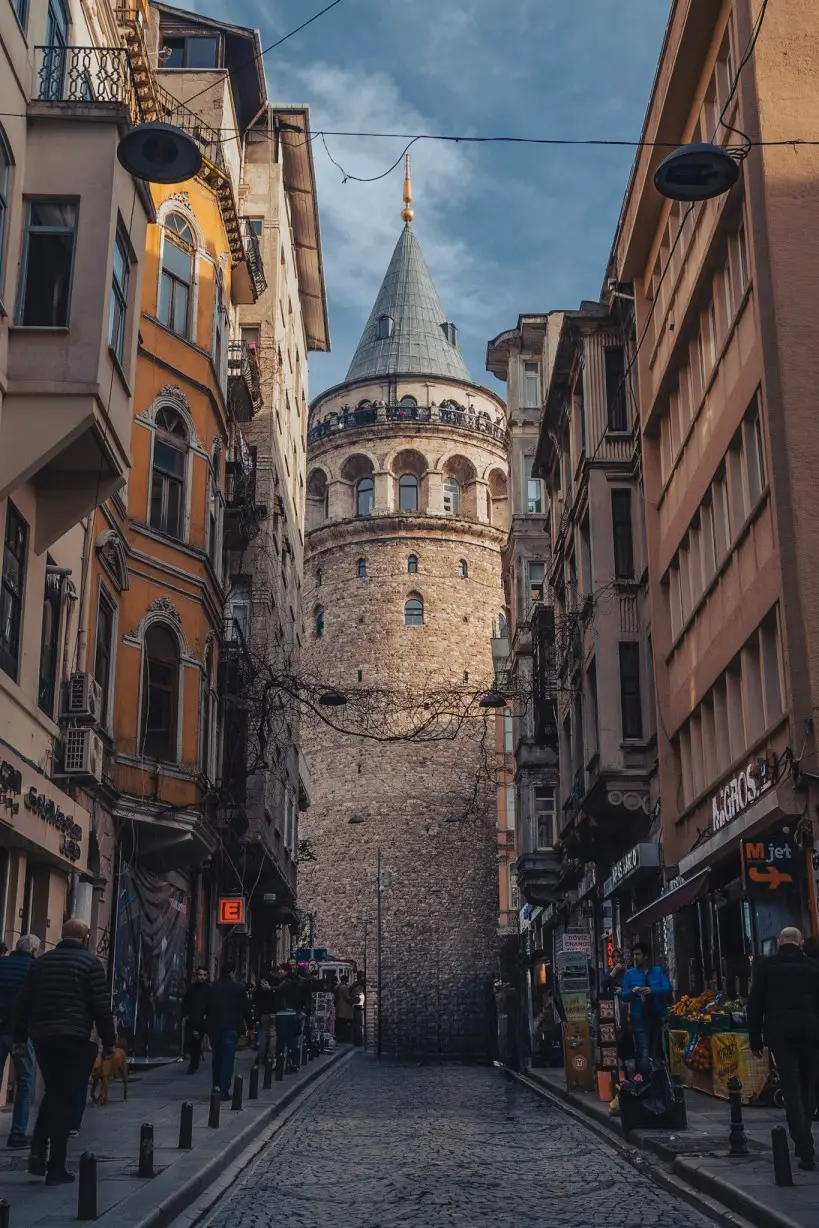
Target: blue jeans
648,1036
223,1045
24,1082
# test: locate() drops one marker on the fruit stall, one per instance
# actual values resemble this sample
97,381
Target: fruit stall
708,1045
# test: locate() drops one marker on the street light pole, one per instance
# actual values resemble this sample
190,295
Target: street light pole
378,952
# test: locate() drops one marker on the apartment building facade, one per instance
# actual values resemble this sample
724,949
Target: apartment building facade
71,218
723,303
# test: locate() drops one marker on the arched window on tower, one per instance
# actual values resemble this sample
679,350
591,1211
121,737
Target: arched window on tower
463,569
318,622
361,569
167,513
412,564
365,497
176,281
408,402
414,611
408,492
452,497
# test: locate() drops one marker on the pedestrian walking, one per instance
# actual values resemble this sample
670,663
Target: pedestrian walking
226,1016
289,1001
344,1011
783,1012
358,991
63,997
646,989
193,1009
14,969
264,1004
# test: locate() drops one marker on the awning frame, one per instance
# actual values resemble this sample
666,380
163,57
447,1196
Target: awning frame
679,897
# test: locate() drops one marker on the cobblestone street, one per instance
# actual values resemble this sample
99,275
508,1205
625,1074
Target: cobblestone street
448,1147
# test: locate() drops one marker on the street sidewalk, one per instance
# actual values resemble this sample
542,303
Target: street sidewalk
699,1155
112,1134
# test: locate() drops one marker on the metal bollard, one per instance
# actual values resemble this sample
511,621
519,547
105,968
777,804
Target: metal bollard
186,1127
280,1068
781,1156
268,1074
253,1089
5,1214
737,1139
238,1093
215,1108
87,1187
146,1150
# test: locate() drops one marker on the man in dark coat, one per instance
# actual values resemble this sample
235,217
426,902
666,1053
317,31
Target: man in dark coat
783,1011
226,1016
64,996
193,1010
13,971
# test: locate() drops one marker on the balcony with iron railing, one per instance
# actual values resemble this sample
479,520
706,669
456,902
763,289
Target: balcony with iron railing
379,414
86,77
243,514
249,280
244,381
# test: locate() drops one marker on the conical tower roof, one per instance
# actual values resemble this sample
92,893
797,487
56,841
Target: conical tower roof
415,342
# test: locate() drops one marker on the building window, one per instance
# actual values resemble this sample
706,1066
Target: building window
20,7
318,622
361,569
177,275
623,541
48,262
384,328
408,492
15,546
365,497
744,267
160,690
616,388
207,716
754,455
536,578
412,564
49,638
463,569
118,315
414,611
534,488
167,514
214,517
220,333
452,497
241,607
544,816
190,51
531,372
630,703
5,191
104,653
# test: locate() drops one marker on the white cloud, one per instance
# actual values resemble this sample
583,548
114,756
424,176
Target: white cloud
361,221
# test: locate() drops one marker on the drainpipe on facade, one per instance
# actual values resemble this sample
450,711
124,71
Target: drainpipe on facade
82,623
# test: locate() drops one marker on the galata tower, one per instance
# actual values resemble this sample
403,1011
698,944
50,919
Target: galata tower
407,506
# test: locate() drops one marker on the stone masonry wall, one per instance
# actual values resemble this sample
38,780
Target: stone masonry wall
439,871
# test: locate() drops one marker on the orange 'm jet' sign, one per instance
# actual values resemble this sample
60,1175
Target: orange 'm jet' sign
231,910
771,863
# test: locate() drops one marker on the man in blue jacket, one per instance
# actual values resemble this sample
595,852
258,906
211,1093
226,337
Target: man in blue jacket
647,990
14,969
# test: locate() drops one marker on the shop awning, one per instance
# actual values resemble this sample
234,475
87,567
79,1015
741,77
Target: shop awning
689,891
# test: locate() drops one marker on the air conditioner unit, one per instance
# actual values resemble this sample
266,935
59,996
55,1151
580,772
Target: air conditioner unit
82,754
82,698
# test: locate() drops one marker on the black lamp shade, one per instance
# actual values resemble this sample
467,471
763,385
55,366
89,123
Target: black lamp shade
696,172
160,153
492,699
332,699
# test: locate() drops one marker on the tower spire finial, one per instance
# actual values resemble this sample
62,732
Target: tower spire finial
407,213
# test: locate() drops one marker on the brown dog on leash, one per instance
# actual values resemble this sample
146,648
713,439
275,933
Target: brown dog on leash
105,1069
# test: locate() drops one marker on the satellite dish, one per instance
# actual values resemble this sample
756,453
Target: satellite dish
159,153
696,172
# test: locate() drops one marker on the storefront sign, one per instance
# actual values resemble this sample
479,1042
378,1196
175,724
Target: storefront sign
231,910
641,857
50,812
771,862
578,942
738,794
43,800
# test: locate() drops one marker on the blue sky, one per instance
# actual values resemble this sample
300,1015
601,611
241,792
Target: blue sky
505,229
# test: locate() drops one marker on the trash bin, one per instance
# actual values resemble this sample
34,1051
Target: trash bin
652,1104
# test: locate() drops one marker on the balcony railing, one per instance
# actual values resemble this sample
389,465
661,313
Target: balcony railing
244,380
243,514
86,76
255,262
172,111
379,414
